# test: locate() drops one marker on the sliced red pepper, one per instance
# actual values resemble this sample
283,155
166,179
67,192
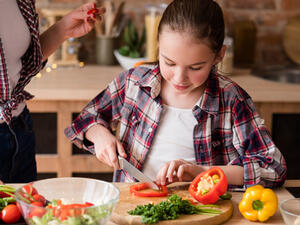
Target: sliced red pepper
5,194
136,190
218,188
29,189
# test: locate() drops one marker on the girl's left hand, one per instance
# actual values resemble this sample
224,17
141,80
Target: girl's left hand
81,20
178,170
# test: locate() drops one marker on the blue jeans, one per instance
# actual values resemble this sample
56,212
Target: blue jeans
17,150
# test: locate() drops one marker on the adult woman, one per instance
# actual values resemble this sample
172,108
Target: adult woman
23,52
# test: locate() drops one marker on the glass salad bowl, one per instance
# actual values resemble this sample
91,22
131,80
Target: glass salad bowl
68,201
290,211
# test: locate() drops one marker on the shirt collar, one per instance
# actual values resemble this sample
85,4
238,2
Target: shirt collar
152,80
209,101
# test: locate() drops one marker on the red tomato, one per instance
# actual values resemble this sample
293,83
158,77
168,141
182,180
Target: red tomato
39,212
39,198
10,214
40,204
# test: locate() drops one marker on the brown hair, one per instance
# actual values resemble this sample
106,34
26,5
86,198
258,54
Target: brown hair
202,18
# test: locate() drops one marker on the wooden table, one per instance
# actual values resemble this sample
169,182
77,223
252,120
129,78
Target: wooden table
67,91
237,218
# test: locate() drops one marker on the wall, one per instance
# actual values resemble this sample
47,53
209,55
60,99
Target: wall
269,17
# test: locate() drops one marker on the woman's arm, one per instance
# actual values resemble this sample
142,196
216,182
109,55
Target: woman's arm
75,24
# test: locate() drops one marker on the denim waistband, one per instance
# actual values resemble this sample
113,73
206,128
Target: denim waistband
16,121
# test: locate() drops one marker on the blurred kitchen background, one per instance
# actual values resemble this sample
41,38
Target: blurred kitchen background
263,39
262,22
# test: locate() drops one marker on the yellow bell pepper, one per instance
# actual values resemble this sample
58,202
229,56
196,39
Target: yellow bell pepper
258,203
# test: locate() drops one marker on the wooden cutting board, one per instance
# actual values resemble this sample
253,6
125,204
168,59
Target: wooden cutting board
128,202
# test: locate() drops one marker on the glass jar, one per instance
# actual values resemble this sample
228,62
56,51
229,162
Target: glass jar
225,67
152,18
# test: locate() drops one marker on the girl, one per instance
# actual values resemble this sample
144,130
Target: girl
181,117
22,55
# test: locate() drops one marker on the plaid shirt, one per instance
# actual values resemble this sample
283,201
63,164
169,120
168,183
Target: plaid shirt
229,130
31,64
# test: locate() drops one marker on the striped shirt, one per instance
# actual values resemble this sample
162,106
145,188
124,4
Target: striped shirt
31,64
229,130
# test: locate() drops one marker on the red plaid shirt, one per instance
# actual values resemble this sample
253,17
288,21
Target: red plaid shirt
31,64
229,130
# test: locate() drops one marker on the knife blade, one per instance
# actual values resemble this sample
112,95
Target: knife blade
133,171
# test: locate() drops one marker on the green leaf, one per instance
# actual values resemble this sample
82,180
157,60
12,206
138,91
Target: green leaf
134,54
124,50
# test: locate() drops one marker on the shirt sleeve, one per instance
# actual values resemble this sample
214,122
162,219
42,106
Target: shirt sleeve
262,161
104,108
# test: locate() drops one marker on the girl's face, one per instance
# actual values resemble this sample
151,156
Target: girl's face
185,63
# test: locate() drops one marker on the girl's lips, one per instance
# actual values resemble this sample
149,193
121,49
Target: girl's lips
180,87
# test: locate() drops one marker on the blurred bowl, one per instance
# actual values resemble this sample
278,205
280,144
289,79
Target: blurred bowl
103,195
290,211
127,62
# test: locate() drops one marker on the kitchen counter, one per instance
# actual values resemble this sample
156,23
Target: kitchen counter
66,91
237,218
84,83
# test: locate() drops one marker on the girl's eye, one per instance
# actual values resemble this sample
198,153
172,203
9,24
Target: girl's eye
195,68
169,64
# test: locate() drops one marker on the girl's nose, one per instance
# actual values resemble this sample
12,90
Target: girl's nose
179,75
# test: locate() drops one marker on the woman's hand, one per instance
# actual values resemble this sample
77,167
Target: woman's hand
75,24
106,145
81,20
178,170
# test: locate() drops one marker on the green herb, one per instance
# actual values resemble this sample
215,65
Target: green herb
226,196
171,209
6,201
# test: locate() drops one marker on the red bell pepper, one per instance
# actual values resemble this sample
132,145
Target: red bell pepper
209,185
136,190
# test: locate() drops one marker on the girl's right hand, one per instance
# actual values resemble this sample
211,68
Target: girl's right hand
107,146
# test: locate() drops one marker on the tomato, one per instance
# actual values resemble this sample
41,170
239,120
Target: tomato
39,198
40,204
136,190
10,214
39,212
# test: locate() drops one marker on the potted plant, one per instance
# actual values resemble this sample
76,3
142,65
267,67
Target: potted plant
133,50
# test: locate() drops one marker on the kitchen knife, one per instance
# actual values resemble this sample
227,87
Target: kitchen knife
133,171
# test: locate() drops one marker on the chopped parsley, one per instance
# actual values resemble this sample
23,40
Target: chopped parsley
171,209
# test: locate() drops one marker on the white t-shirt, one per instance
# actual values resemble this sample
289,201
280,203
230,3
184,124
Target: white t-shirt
173,139
15,37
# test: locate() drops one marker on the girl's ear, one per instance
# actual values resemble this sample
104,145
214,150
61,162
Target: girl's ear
220,55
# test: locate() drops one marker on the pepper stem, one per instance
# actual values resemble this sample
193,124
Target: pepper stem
257,205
